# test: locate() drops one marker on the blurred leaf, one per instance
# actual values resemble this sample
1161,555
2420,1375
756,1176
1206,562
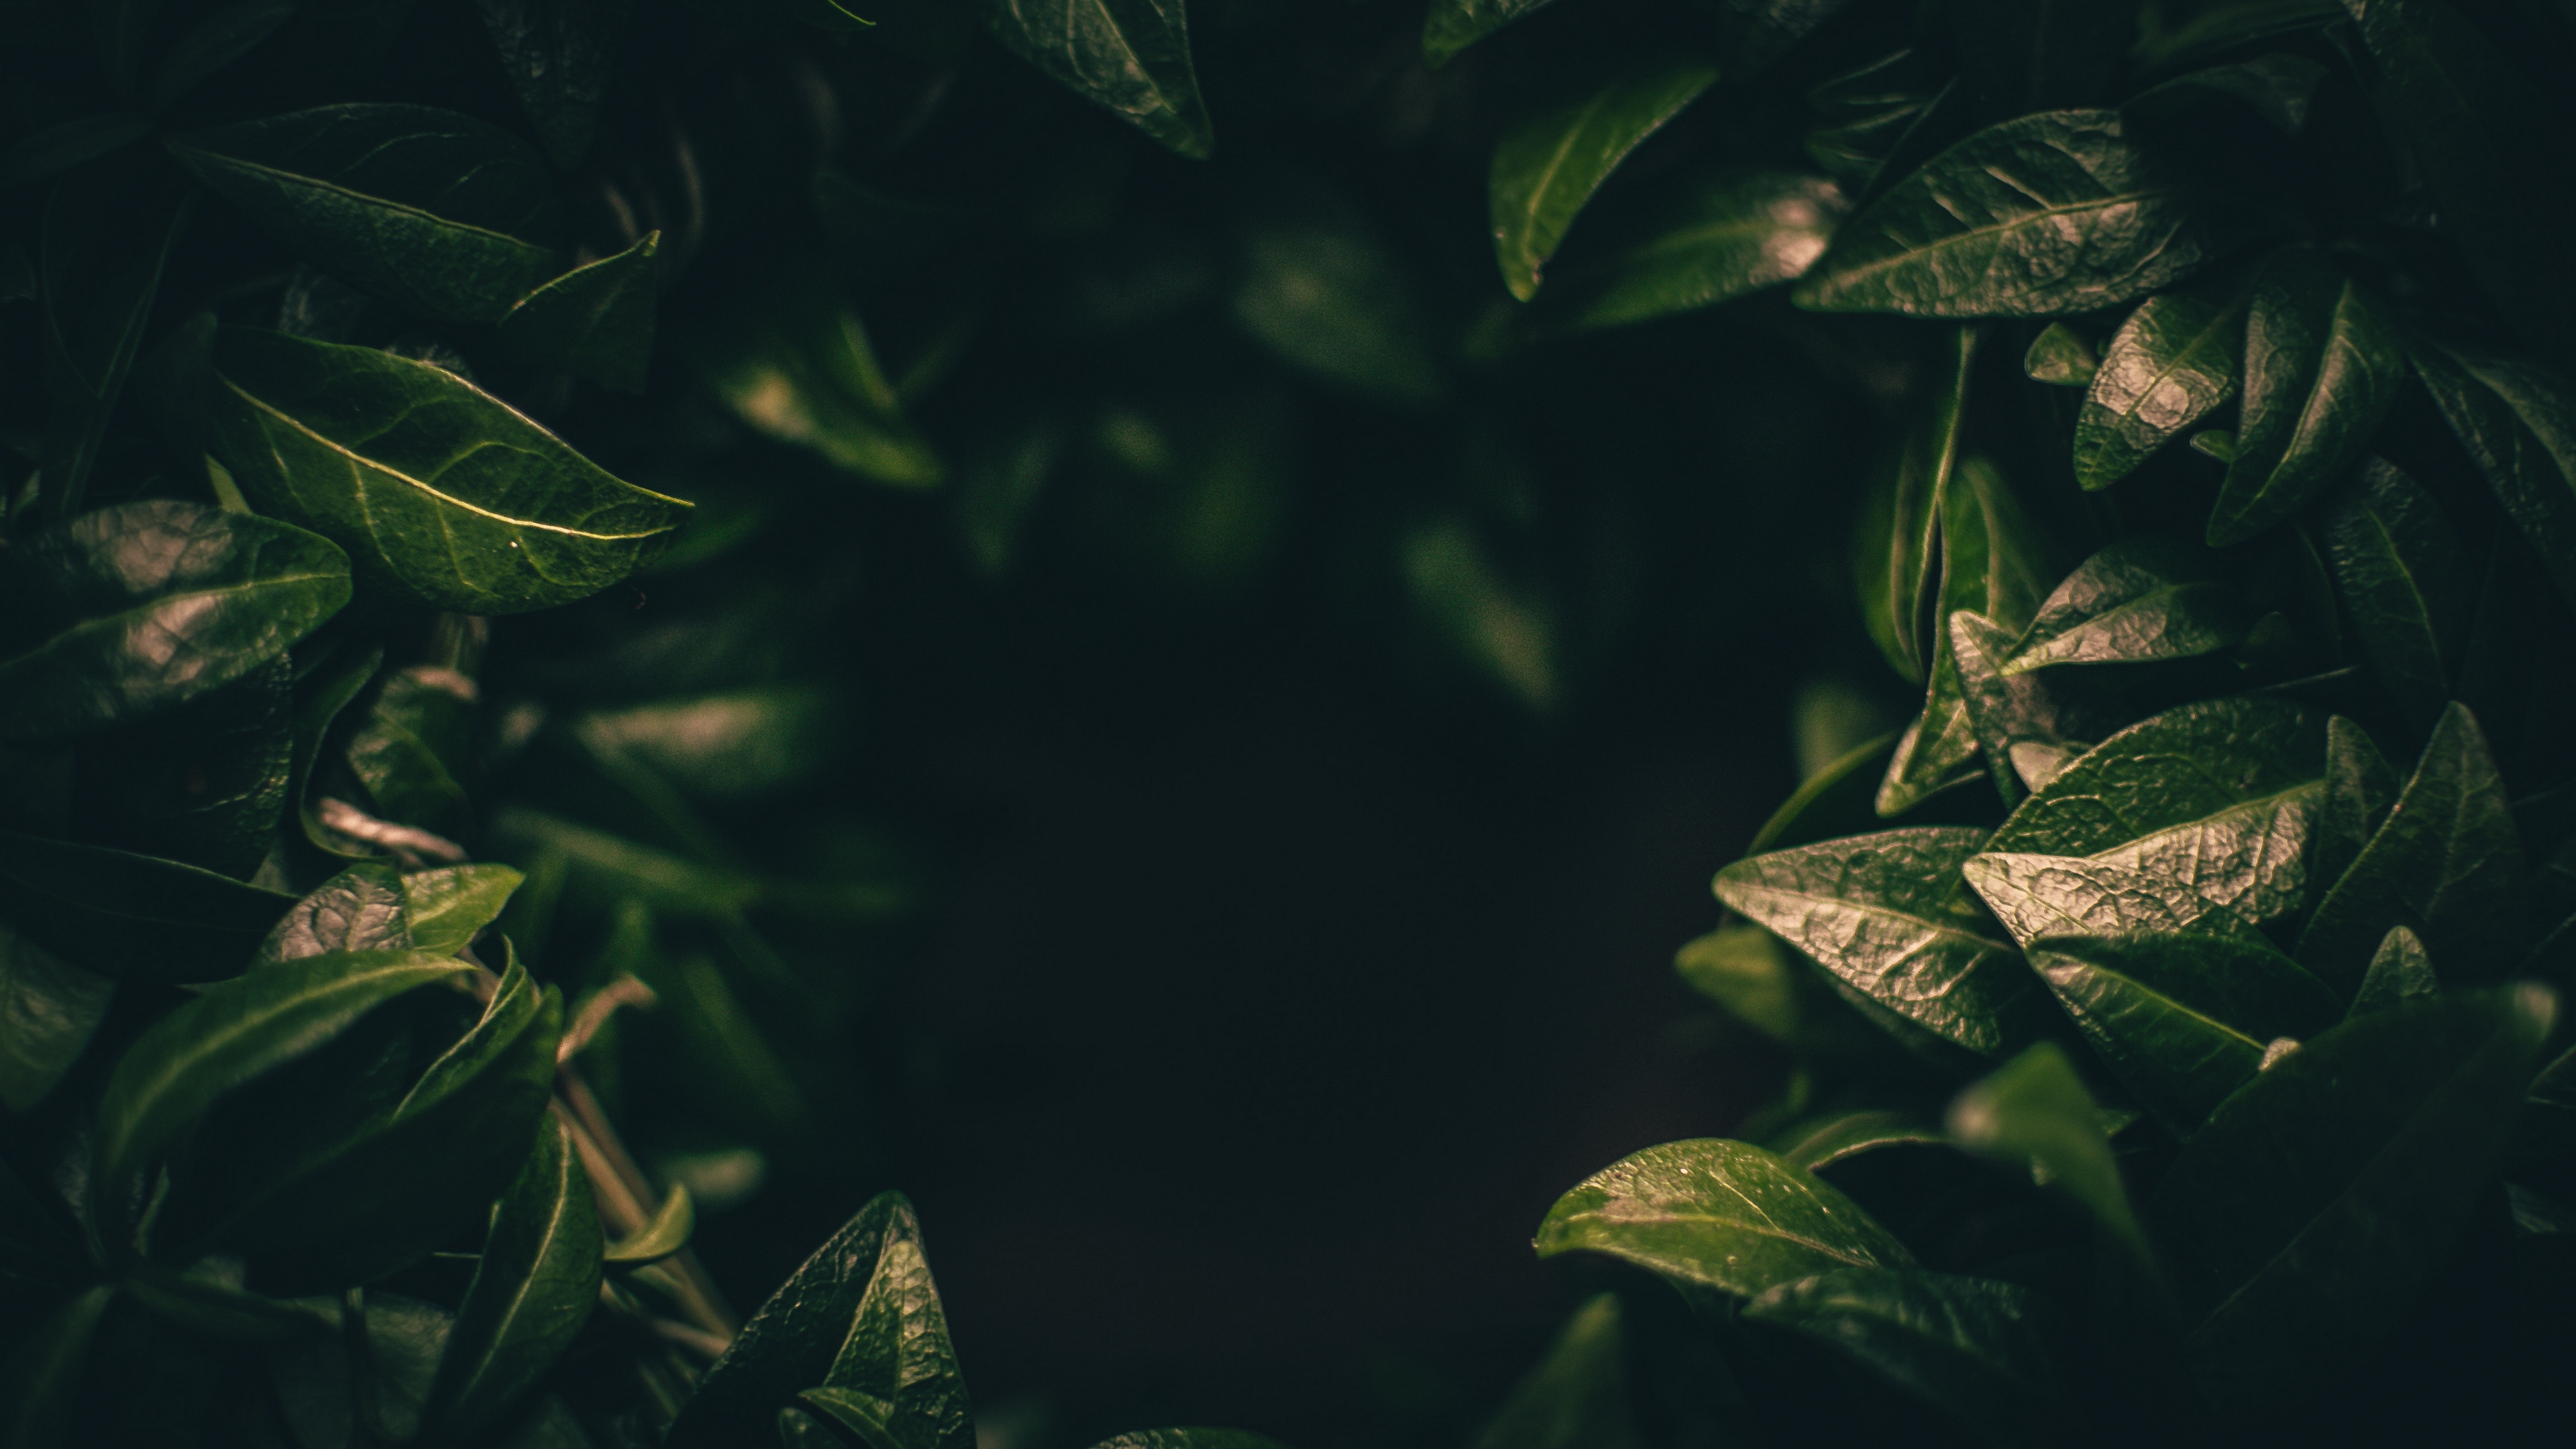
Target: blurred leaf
532,1290
1727,236
2322,366
214,1305
2400,972
2173,361
41,1375
596,320
1754,33
1132,56
667,1233
2033,1115
2138,600
793,361
2321,1200
1549,164
225,35
443,493
1452,25
1576,1396
49,1010
2406,584
605,868
433,211
2278,88
1817,1145
1717,1214
55,149
1971,1347
132,916
1835,800
1319,289
2518,420
558,55
2062,357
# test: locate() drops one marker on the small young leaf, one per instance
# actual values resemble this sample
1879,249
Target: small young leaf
2033,1115
2400,972
132,916
2406,582
2061,357
1132,56
1549,164
2173,361
363,908
1717,1214
1576,1397
2141,599
667,1233
596,320
446,908
439,490
2048,214
2322,366
1729,236
1971,1347
532,1290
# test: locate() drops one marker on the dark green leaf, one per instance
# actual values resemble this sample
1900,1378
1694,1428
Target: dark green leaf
1888,914
1834,801
213,1303
1576,1396
319,699
131,916
361,909
609,868
2518,420
2277,88
728,746
233,1034
2360,786
2321,1200
2028,726
2052,213
107,234
895,1381
1321,290
1972,1347
204,783
2141,599
438,490
2401,971
667,1232
2322,365
1132,56
1190,1439
1746,970
434,211
2172,362
558,55
1753,33
1816,1146
2182,1020
2034,1116
793,361
1453,25
41,1376
413,746
1717,1214
2038,896
222,37
55,149
2167,40
2446,864
1728,236
1896,553
596,320
2034,55
448,907
2061,357
2406,583
49,1009
129,611
2487,143
532,1290
1550,164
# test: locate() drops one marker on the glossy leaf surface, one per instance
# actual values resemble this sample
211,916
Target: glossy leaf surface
532,1290
2168,366
2322,365
895,1380
1717,1214
1549,165
1131,56
2038,896
1971,1347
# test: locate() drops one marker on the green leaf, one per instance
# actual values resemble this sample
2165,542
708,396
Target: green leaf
2517,419
730,746
2167,367
222,37
414,743
2141,599
1452,25
2033,1115
797,1336
2061,357
105,238
130,611
437,212
1753,33
667,1233
231,1035
2278,88
1746,970
446,908
1888,915
2486,142
2048,214
1834,801
1576,1396
793,361
320,696
41,1377
204,783
1717,1214
1896,553
596,320
213,1304
2028,726
1818,1145
2032,55
2182,1020
1726,236
1549,165
2360,786
2406,583
1132,56
1972,1347
1190,1439
2321,1200
2322,365
49,1009
1321,290
2216,799
532,1290
559,55
895,1381
2400,972
363,908
132,916
609,868
439,491
2446,864
2038,896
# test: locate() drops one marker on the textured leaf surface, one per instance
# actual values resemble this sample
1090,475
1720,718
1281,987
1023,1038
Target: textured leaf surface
2322,366
2406,583
2360,786
2139,600
532,1289
2168,366
2400,971
1548,165
2037,896
1717,1214
1971,1347
1132,56
437,490
895,1380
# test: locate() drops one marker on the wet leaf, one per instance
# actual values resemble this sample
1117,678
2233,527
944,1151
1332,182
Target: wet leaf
2518,420
2321,1200
1132,56
1717,1214
1971,1347
532,1289
1725,237
128,612
49,1010
440,492
596,320
2400,971
433,211
2322,365
2048,214
2033,1115
1549,165
2168,366
132,916
1576,1396
2139,600
2406,583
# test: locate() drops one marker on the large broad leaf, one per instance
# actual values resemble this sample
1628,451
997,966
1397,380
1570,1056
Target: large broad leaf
895,1381
106,236
2173,361
1724,237
1887,914
132,916
49,1009
2139,600
2321,1200
2446,864
1451,26
793,1342
558,55
2322,365
1576,1397
532,1290
2038,896
438,490
2518,420
1132,56
1549,165
793,361
232,1035
1971,1347
2406,582
449,216
2488,143
596,320
1896,556
2216,798
1717,1214
2033,1115
130,611
2183,1020
2051,213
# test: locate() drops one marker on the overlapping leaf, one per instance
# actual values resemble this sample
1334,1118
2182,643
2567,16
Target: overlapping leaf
1131,56
1972,1347
1549,165
1717,1214
2168,366
2322,365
